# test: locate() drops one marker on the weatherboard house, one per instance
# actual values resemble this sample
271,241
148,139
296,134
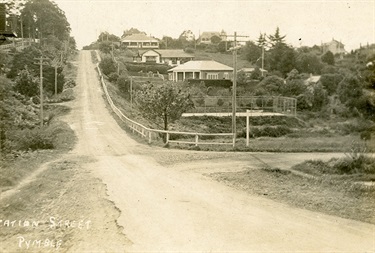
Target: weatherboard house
171,57
140,40
336,47
200,70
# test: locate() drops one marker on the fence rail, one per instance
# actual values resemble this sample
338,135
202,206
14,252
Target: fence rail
223,104
19,45
153,134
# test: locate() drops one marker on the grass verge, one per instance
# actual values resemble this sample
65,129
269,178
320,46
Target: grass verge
23,161
341,186
328,195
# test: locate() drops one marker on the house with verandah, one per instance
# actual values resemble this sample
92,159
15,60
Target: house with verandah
139,41
171,57
203,70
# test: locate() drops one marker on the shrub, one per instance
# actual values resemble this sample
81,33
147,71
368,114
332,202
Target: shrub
268,131
113,77
220,102
32,139
107,65
147,67
352,165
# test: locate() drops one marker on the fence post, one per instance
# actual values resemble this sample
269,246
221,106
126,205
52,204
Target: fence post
247,127
149,137
196,140
167,139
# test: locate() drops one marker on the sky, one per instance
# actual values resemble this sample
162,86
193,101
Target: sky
305,23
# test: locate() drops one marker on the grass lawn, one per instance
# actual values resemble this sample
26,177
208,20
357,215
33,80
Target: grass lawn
224,58
342,198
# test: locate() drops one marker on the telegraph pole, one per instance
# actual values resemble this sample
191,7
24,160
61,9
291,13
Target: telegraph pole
234,91
56,64
234,88
41,63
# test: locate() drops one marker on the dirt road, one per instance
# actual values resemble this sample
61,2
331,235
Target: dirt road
176,208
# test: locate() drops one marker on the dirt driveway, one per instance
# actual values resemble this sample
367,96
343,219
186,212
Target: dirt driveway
167,204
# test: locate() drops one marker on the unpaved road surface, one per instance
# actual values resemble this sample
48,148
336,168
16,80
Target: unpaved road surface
167,204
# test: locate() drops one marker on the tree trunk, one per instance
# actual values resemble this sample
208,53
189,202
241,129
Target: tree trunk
165,126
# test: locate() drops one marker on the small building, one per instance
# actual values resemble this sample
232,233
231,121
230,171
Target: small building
205,37
168,56
203,70
312,79
140,40
336,47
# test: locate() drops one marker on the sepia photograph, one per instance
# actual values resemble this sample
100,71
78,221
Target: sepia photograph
167,126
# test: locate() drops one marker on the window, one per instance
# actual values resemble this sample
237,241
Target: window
226,75
150,58
212,75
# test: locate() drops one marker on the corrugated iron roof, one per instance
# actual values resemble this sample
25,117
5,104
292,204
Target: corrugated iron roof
202,65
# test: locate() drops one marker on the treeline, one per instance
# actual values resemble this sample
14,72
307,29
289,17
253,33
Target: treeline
344,86
20,73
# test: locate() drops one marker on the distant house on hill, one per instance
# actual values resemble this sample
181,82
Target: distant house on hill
211,70
169,56
312,79
206,37
140,40
336,47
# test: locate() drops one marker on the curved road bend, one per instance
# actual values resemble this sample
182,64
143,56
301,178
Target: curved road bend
166,209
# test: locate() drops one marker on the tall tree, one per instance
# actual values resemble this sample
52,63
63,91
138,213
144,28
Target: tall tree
262,40
281,56
252,52
328,58
165,102
42,18
130,32
276,38
308,63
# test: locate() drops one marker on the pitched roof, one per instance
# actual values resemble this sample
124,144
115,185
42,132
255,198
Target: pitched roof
202,65
334,41
209,34
138,37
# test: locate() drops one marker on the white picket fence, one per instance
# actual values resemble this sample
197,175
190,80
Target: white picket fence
154,134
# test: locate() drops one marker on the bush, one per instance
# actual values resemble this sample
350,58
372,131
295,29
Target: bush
32,139
147,67
268,131
113,77
352,165
107,65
